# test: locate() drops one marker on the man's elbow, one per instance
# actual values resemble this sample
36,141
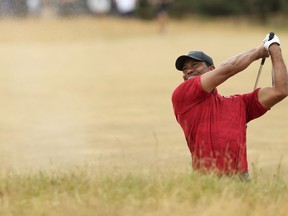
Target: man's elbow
282,92
285,90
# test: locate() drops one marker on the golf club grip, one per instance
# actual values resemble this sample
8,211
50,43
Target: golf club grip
263,61
271,35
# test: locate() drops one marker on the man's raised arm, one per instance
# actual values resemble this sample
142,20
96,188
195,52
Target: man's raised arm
231,66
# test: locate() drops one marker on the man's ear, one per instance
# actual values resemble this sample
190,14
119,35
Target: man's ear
184,77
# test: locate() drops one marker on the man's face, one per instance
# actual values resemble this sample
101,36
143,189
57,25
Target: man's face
192,68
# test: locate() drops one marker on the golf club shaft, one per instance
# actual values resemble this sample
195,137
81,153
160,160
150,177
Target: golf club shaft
259,73
271,35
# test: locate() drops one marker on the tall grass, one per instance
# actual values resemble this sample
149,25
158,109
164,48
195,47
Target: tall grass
85,191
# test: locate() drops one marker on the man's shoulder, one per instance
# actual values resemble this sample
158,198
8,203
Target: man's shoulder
182,89
186,84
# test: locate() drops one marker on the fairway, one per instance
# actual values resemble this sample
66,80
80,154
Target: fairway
97,92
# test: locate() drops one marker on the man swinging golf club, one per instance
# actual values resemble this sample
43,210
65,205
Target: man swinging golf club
215,126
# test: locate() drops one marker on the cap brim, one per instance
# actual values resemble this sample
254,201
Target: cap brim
181,59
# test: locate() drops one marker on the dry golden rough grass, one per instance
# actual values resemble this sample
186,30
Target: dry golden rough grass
84,191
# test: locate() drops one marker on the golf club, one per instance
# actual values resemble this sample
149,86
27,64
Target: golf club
271,35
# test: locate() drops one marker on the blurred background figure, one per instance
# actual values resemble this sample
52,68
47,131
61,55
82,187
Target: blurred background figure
126,8
34,7
162,13
99,7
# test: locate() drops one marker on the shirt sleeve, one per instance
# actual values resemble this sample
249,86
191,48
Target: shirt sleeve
254,109
188,94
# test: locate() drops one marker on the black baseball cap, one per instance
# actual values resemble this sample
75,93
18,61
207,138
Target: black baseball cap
196,55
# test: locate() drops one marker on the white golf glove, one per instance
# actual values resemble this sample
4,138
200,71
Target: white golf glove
267,43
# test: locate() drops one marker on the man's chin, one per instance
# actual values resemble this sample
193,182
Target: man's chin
191,77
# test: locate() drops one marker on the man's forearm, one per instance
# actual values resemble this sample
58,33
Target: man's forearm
230,67
280,70
240,62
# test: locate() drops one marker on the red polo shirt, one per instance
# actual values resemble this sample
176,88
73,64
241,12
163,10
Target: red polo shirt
215,126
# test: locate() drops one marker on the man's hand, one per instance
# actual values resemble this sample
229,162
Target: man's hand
267,42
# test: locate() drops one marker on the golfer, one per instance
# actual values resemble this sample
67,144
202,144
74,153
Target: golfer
214,125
